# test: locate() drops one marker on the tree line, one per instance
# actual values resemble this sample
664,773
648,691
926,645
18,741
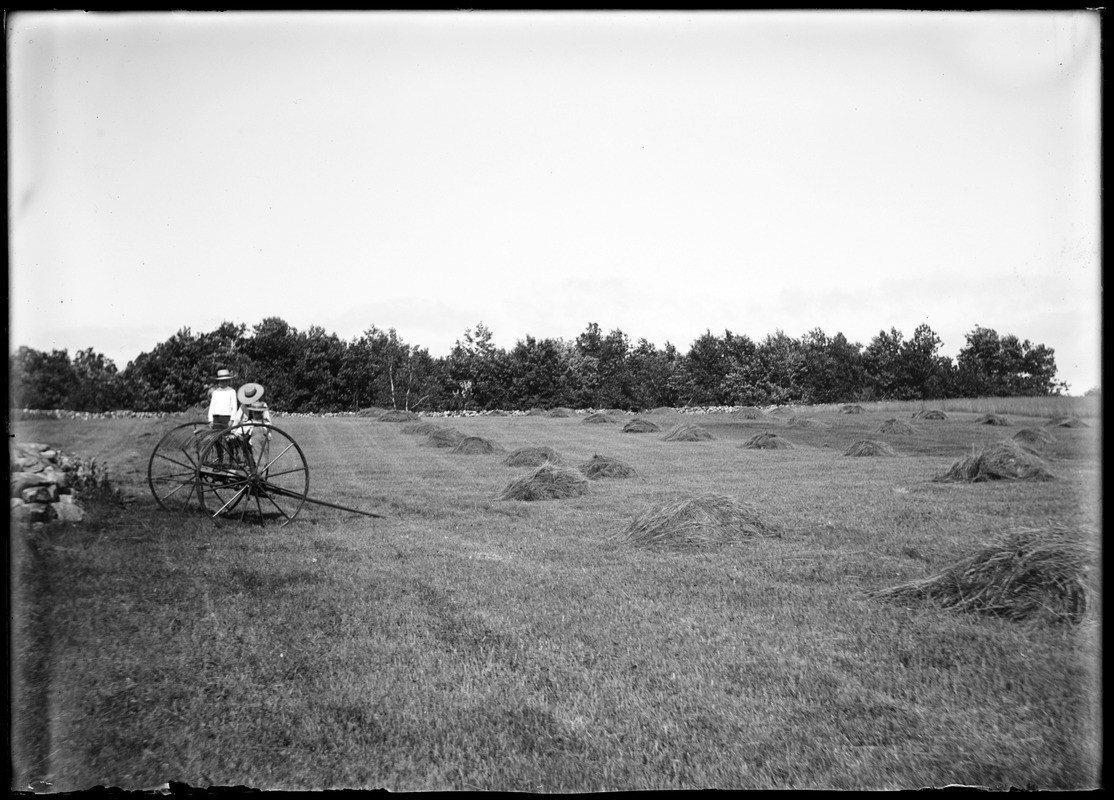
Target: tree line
313,371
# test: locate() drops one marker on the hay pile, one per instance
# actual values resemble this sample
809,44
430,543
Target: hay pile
1005,460
805,422
662,410
1033,436
561,412
704,520
606,467
421,428
477,446
869,447
533,457
639,425
781,410
851,409
398,415
443,437
598,419
536,412
748,412
375,412
687,432
1066,422
930,413
547,482
992,419
1031,573
767,441
895,426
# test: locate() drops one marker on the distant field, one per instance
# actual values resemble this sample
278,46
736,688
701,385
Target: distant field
469,643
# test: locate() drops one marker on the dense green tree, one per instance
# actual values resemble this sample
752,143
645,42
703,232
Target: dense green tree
97,385
993,365
477,371
539,370
40,380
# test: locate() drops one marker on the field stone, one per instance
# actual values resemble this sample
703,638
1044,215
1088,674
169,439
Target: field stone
68,512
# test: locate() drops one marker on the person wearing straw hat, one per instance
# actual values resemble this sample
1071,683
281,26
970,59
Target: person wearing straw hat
222,407
252,412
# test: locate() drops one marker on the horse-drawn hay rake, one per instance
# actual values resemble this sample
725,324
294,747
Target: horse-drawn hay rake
259,473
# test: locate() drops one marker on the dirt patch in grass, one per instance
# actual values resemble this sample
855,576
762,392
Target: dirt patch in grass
1032,573
606,467
639,425
1004,460
704,520
547,482
767,441
869,447
687,432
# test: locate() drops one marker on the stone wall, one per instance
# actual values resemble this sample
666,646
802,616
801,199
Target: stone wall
44,483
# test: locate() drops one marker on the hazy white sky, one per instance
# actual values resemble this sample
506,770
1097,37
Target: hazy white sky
662,173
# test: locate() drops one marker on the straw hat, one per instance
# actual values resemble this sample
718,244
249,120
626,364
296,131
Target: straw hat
250,393
223,375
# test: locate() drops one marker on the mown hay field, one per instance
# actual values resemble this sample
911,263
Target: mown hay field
468,642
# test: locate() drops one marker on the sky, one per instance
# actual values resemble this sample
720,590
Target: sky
662,173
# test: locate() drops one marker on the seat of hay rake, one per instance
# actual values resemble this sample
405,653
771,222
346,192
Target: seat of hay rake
254,471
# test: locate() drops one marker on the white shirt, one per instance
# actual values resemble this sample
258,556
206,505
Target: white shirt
223,402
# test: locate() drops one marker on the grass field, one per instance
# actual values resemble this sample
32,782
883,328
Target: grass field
464,642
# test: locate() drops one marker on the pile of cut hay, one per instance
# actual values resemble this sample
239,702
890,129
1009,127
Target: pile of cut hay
1033,436
421,428
662,410
851,409
443,437
895,426
547,482
536,412
606,467
704,520
687,432
597,419
930,413
767,441
533,457
869,447
748,412
477,446
805,422
374,412
1030,573
1066,422
561,412
398,415
639,425
782,410
1001,461
992,419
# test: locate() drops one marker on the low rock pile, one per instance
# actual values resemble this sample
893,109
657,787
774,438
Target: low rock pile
45,483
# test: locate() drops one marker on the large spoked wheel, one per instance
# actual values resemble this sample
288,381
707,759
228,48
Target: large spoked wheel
255,471
172,472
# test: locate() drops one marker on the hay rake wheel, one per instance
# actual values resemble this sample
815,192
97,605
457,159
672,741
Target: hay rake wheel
262,475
